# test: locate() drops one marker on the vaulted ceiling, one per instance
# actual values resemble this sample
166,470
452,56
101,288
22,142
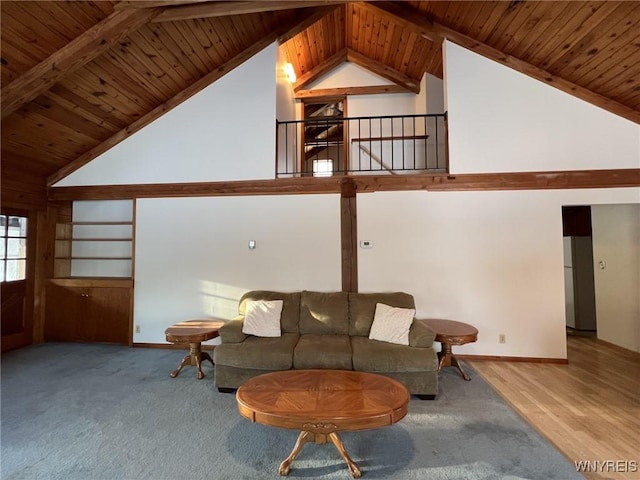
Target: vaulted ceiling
79,77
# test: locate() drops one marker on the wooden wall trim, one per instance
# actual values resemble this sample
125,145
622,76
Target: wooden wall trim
305,185
92,282
45,252
349,236
498,358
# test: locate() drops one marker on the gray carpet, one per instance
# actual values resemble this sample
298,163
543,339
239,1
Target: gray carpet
77,411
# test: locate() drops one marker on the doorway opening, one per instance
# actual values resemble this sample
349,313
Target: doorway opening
324,143
579,282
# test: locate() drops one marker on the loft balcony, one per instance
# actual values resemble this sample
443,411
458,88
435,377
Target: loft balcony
383,145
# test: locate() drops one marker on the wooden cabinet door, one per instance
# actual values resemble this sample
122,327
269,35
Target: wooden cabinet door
62,311
87,314
108,313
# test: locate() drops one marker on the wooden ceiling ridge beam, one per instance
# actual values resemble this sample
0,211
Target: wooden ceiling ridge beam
286,31
319,70
383,70
77,53
222,9
408,18
128,4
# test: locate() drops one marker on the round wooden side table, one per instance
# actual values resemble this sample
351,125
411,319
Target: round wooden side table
193,332
449,333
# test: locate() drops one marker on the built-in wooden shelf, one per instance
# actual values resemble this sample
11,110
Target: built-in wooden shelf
87,248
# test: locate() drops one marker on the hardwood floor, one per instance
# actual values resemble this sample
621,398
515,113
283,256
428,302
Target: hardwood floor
589,408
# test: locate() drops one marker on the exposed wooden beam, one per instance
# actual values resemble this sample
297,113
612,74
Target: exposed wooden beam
222,9
349,235
434,31
384,71
566,179
283,32
154,3
72,56
407,19
342,91
323,67
306,20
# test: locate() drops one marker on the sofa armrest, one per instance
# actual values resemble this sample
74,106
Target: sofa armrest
231,331
420,335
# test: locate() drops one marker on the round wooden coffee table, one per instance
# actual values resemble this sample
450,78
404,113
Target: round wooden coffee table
449,333
321,403
193,332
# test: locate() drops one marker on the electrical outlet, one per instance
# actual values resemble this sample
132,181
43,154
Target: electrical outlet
502,338
137,328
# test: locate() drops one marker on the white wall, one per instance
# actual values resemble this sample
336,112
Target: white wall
501,120
616,242
491,259
224,132
285,101
349,74
434,88
285,111
193,260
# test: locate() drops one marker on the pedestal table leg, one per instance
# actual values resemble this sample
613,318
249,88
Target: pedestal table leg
303,438
353,468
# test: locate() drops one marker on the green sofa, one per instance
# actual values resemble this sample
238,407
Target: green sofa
327,331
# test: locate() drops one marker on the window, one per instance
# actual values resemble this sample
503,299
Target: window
13,247
323,168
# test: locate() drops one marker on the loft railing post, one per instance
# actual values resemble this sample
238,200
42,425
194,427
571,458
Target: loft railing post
437,143
414,143
426,141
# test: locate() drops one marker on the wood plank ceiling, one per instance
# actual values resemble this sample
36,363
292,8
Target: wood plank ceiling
78,77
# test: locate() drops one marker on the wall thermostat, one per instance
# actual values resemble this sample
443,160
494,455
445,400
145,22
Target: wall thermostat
366,244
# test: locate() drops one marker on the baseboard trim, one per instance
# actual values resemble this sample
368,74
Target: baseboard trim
170,346
497,358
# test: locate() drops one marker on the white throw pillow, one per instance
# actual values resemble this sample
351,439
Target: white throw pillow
262,318
392,324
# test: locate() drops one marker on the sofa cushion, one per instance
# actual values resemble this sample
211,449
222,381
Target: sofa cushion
231,331
258,353
362,308
420,335
290,307
324,313
323,351
382,357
